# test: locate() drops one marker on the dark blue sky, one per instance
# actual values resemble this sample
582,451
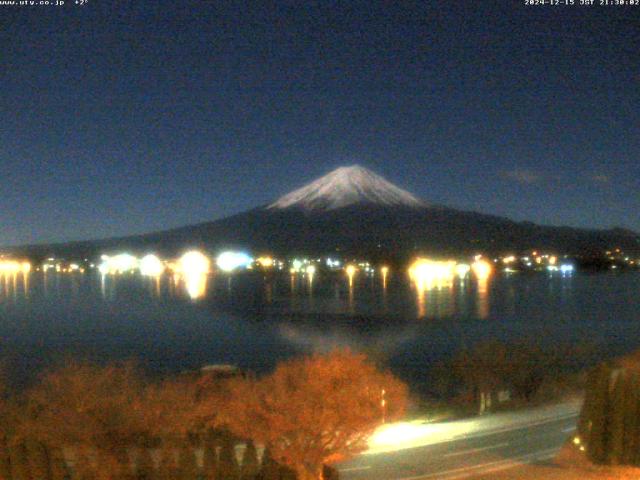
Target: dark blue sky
125,117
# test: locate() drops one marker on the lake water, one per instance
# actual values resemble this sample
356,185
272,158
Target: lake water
253,321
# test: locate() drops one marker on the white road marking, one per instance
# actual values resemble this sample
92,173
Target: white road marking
474,450
355,469
508,464
489,467
511,428
567,430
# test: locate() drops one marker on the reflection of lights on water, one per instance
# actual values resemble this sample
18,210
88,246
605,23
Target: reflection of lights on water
482,270
230,261
433,283
427,275
384,271
157,282
567,268
351,271
195,284
151,266
194,263
10,269
310,271
25,285
483,298
268,290
293,279
103,286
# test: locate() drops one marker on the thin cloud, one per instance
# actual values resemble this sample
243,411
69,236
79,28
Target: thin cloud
528,177
601,178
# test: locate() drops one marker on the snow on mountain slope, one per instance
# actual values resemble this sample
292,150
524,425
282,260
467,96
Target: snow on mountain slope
347,186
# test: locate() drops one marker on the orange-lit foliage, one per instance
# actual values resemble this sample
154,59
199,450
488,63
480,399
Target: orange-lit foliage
7,424
98,416
103,423
316,409
186,406
94,411
169,408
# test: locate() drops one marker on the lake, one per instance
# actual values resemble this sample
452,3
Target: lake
253,321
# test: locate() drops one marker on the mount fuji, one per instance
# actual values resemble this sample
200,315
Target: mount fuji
347,186
354,212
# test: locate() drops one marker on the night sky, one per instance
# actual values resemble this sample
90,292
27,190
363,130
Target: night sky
131,116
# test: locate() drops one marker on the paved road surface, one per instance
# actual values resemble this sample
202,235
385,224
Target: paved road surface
497,443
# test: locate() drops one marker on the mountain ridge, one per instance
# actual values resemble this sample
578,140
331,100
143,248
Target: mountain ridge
367,215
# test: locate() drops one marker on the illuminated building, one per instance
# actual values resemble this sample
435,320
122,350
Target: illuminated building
194,262
296,265
120,263
151,266
427,273
462,270
265,262
230,261
13,267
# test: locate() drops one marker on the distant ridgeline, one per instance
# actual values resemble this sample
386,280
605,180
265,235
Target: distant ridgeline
353,211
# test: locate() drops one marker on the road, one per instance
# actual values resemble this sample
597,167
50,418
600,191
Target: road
464,449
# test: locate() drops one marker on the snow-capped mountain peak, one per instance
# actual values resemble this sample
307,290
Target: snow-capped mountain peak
347,186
